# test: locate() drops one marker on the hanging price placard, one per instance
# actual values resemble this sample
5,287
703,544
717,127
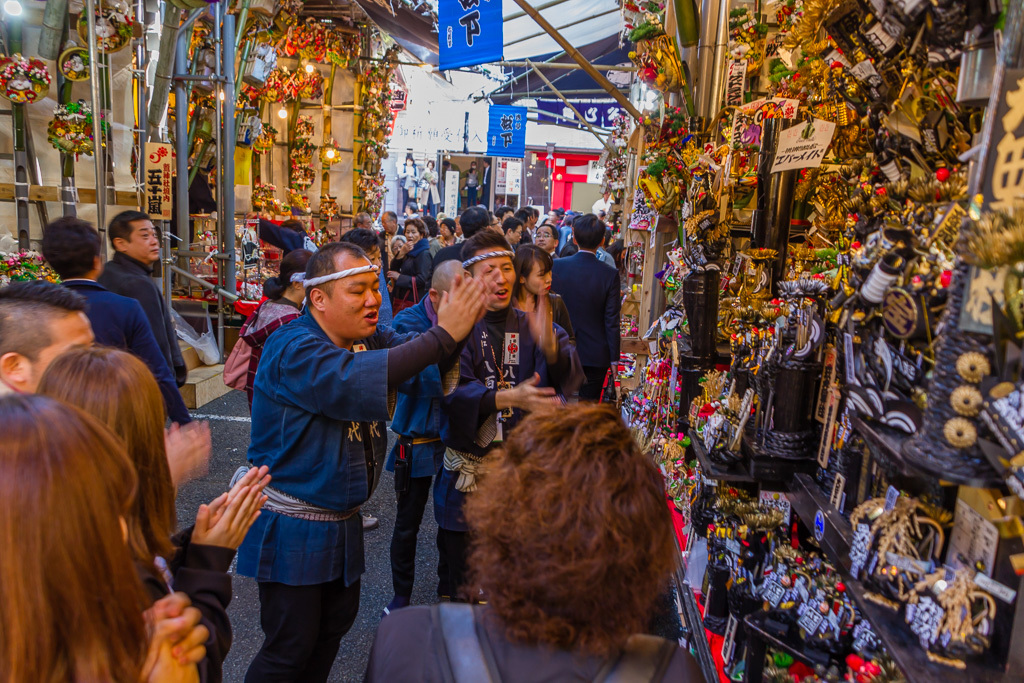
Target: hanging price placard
803,146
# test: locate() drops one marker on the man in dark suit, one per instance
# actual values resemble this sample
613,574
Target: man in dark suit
72,248
485,184
590,290
473,220
130,274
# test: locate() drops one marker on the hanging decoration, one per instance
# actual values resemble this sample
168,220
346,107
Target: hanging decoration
264,198
330,153
23,80
71,129
265,141
74,63
373,130
24,266
114,26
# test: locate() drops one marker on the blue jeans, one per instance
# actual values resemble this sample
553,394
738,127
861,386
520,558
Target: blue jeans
470,196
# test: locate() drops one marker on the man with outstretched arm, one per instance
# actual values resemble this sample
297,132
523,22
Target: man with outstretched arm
323,391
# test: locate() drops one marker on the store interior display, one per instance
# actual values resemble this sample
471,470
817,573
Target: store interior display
830,378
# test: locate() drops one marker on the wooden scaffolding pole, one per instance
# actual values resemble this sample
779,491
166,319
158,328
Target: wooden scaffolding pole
581,60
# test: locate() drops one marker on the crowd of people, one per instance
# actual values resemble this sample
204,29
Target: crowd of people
483,346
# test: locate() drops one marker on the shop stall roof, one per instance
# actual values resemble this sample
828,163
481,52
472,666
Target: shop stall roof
573,83
413,25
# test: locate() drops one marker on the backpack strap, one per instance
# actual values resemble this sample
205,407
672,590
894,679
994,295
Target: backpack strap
465,654
645,659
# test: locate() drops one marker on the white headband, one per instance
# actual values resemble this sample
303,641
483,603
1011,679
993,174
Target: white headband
298,277
483,257
340,274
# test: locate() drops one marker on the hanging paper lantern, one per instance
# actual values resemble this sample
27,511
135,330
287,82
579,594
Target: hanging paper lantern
23,80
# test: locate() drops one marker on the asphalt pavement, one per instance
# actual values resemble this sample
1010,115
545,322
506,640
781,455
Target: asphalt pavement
229,424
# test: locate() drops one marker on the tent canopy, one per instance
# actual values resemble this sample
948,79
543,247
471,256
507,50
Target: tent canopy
579,21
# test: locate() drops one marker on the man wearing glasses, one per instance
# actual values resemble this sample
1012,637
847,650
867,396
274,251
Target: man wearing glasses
130,273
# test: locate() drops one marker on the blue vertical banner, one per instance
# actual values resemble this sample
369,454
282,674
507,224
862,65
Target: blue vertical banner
469,32
506,131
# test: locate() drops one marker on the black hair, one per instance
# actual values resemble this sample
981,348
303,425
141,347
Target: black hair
25,306
431,224
528,257
366,240
485,240
588,231
70,246
473,220
524,214
448,222
322,262
412,206
121,224
295,225
511,224
503,209
294,262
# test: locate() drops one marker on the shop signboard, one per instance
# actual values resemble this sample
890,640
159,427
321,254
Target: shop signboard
159,173
1003,182
513,177
451,192
506,131
470,32
601,114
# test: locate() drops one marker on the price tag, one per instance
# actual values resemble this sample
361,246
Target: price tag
733,546
729,641
811,620
995,589
797,150
891,496
973,539
908,564
838,486
774,594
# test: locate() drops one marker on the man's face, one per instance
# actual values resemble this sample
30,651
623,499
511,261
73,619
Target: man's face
348,308
497,274
142,245
390,224
66,332
495,226
545,238
514,236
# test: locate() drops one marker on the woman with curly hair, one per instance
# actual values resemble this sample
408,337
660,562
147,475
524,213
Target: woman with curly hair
571,546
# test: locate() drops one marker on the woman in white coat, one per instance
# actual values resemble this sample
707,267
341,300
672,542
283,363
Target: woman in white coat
429,197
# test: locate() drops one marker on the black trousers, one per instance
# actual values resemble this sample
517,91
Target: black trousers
411,505
302,628
591,389
453,547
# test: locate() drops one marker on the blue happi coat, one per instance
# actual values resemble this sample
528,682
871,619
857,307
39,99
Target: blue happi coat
316,410
470,425
418,409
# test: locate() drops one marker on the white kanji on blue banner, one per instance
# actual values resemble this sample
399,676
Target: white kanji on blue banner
506,131
469,32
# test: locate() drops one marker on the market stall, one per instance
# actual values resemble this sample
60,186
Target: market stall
822,330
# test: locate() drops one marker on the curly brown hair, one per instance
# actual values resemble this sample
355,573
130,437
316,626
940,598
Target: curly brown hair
571,540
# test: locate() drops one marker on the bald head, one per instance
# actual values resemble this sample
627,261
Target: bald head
444,276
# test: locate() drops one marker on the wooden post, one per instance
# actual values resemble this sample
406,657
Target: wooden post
357,143
581,60
325,176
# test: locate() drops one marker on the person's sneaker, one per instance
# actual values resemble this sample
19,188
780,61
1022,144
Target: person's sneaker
397,602
369,522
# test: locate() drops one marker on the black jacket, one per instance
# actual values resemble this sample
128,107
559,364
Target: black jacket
590,290
125,276
452,253
201,573
119,322
418,268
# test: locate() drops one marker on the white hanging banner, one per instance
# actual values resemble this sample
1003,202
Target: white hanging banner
513,176
803,146
451,193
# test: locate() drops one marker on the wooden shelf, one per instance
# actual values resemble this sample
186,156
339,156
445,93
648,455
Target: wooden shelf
714,470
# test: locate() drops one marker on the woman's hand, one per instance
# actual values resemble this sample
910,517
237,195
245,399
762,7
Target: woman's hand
188,451
392,275
227,519
176,641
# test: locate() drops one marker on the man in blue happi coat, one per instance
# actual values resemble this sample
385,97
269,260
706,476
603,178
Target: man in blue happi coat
416,456
513,363
324,389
